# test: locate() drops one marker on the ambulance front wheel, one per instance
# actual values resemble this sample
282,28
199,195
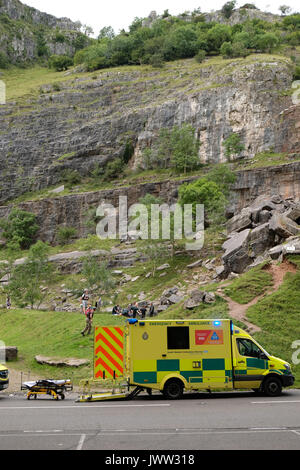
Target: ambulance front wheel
173,389
272,387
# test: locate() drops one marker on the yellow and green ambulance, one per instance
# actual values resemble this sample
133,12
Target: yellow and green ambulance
177,355
4,381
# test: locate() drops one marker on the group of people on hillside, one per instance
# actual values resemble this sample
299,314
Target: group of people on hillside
132,311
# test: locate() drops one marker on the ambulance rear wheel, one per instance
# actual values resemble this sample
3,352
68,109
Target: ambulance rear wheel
173,389
272,387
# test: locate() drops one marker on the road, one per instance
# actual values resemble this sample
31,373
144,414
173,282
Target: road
222,421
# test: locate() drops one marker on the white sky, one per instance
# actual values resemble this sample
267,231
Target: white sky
120,13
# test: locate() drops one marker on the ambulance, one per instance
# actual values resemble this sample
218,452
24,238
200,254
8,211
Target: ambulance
174,356
4,381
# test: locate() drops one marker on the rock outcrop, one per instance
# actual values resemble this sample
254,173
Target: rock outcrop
267,229
27,34
90,121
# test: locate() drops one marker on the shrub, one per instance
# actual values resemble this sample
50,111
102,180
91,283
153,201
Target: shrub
157,61
296,75
200,56
4,62
70,177
114,169
65,235
60,62
20,227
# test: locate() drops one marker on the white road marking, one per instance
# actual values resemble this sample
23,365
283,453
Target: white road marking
78,407
81,442
274,401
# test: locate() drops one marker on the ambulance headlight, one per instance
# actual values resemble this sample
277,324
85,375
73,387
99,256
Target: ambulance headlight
287,367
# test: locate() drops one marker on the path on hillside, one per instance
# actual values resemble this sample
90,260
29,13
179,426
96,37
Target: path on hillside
239,311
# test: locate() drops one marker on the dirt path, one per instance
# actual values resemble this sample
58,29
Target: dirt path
239,311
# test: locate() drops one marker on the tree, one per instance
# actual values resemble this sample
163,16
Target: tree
228,9
20,227
25,280
155,251
60,62
208,193
267,42
87,30
233,146
185,149
285,10
180,43
106,33
4,62
223,177
98,276
217,35
226,50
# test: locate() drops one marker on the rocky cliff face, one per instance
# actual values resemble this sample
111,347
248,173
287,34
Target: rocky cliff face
16,10
89,121
75,210
27,34
238,16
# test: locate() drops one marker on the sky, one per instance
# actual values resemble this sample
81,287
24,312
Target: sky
120,13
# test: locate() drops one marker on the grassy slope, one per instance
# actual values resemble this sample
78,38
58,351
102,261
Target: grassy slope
58,334
55,334
249,286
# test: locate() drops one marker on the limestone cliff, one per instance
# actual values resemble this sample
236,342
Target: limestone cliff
26,34
88,121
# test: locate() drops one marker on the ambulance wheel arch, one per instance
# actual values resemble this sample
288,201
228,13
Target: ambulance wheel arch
272,385
173,387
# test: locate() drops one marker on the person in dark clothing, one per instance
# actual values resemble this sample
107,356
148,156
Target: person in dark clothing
143,311
125,312
116,310
151,310
134,309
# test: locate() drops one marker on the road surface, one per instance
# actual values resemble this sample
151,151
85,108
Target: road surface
238,420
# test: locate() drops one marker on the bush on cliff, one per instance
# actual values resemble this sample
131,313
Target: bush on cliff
20,227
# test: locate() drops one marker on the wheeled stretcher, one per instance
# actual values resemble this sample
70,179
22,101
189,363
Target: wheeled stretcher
54,388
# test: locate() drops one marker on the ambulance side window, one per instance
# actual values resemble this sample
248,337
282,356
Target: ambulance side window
247,348
178,337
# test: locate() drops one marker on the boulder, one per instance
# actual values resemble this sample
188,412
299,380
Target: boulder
175,299
209,298
162,267
240,221
293,213
236,257
9,353
195,300
196,264
61,362
261,238
283,226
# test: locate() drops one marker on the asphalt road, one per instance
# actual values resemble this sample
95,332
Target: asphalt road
220,421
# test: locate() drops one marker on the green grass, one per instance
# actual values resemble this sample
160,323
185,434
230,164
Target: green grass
52,334
265,159
249,285
278,315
